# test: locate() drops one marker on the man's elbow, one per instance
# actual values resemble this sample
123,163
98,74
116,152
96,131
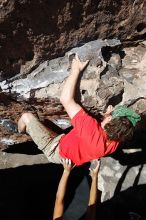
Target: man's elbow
65,101
62,100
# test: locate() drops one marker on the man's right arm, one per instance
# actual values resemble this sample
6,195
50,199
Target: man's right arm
68,92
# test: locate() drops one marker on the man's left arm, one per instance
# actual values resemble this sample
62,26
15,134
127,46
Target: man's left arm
95,194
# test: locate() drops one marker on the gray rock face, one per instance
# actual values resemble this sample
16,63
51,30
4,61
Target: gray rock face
115,177
133,73
55,71
39,83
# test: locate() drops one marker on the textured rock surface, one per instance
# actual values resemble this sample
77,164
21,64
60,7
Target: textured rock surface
32,31
113,76
40,90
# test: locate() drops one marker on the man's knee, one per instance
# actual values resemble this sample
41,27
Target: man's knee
27,117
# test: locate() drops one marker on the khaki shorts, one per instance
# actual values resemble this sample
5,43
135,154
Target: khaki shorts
41,136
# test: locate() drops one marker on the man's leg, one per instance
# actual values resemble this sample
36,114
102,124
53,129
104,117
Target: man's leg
24,121
41,136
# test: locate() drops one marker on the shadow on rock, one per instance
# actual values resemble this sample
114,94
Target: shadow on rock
126,205
28,192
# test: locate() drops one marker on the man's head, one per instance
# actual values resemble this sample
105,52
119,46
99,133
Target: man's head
119,123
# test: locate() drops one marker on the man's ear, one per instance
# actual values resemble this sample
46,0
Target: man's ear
108,118
109,109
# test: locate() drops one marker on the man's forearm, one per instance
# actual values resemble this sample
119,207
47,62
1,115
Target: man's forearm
93,192
62,185
59,203
68,92
91,210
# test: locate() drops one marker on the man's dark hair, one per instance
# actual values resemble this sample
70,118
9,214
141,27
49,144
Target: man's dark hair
119,129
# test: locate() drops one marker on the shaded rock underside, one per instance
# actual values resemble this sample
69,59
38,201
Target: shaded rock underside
32,31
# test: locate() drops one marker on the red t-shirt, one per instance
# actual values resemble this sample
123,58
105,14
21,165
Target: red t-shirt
86,141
